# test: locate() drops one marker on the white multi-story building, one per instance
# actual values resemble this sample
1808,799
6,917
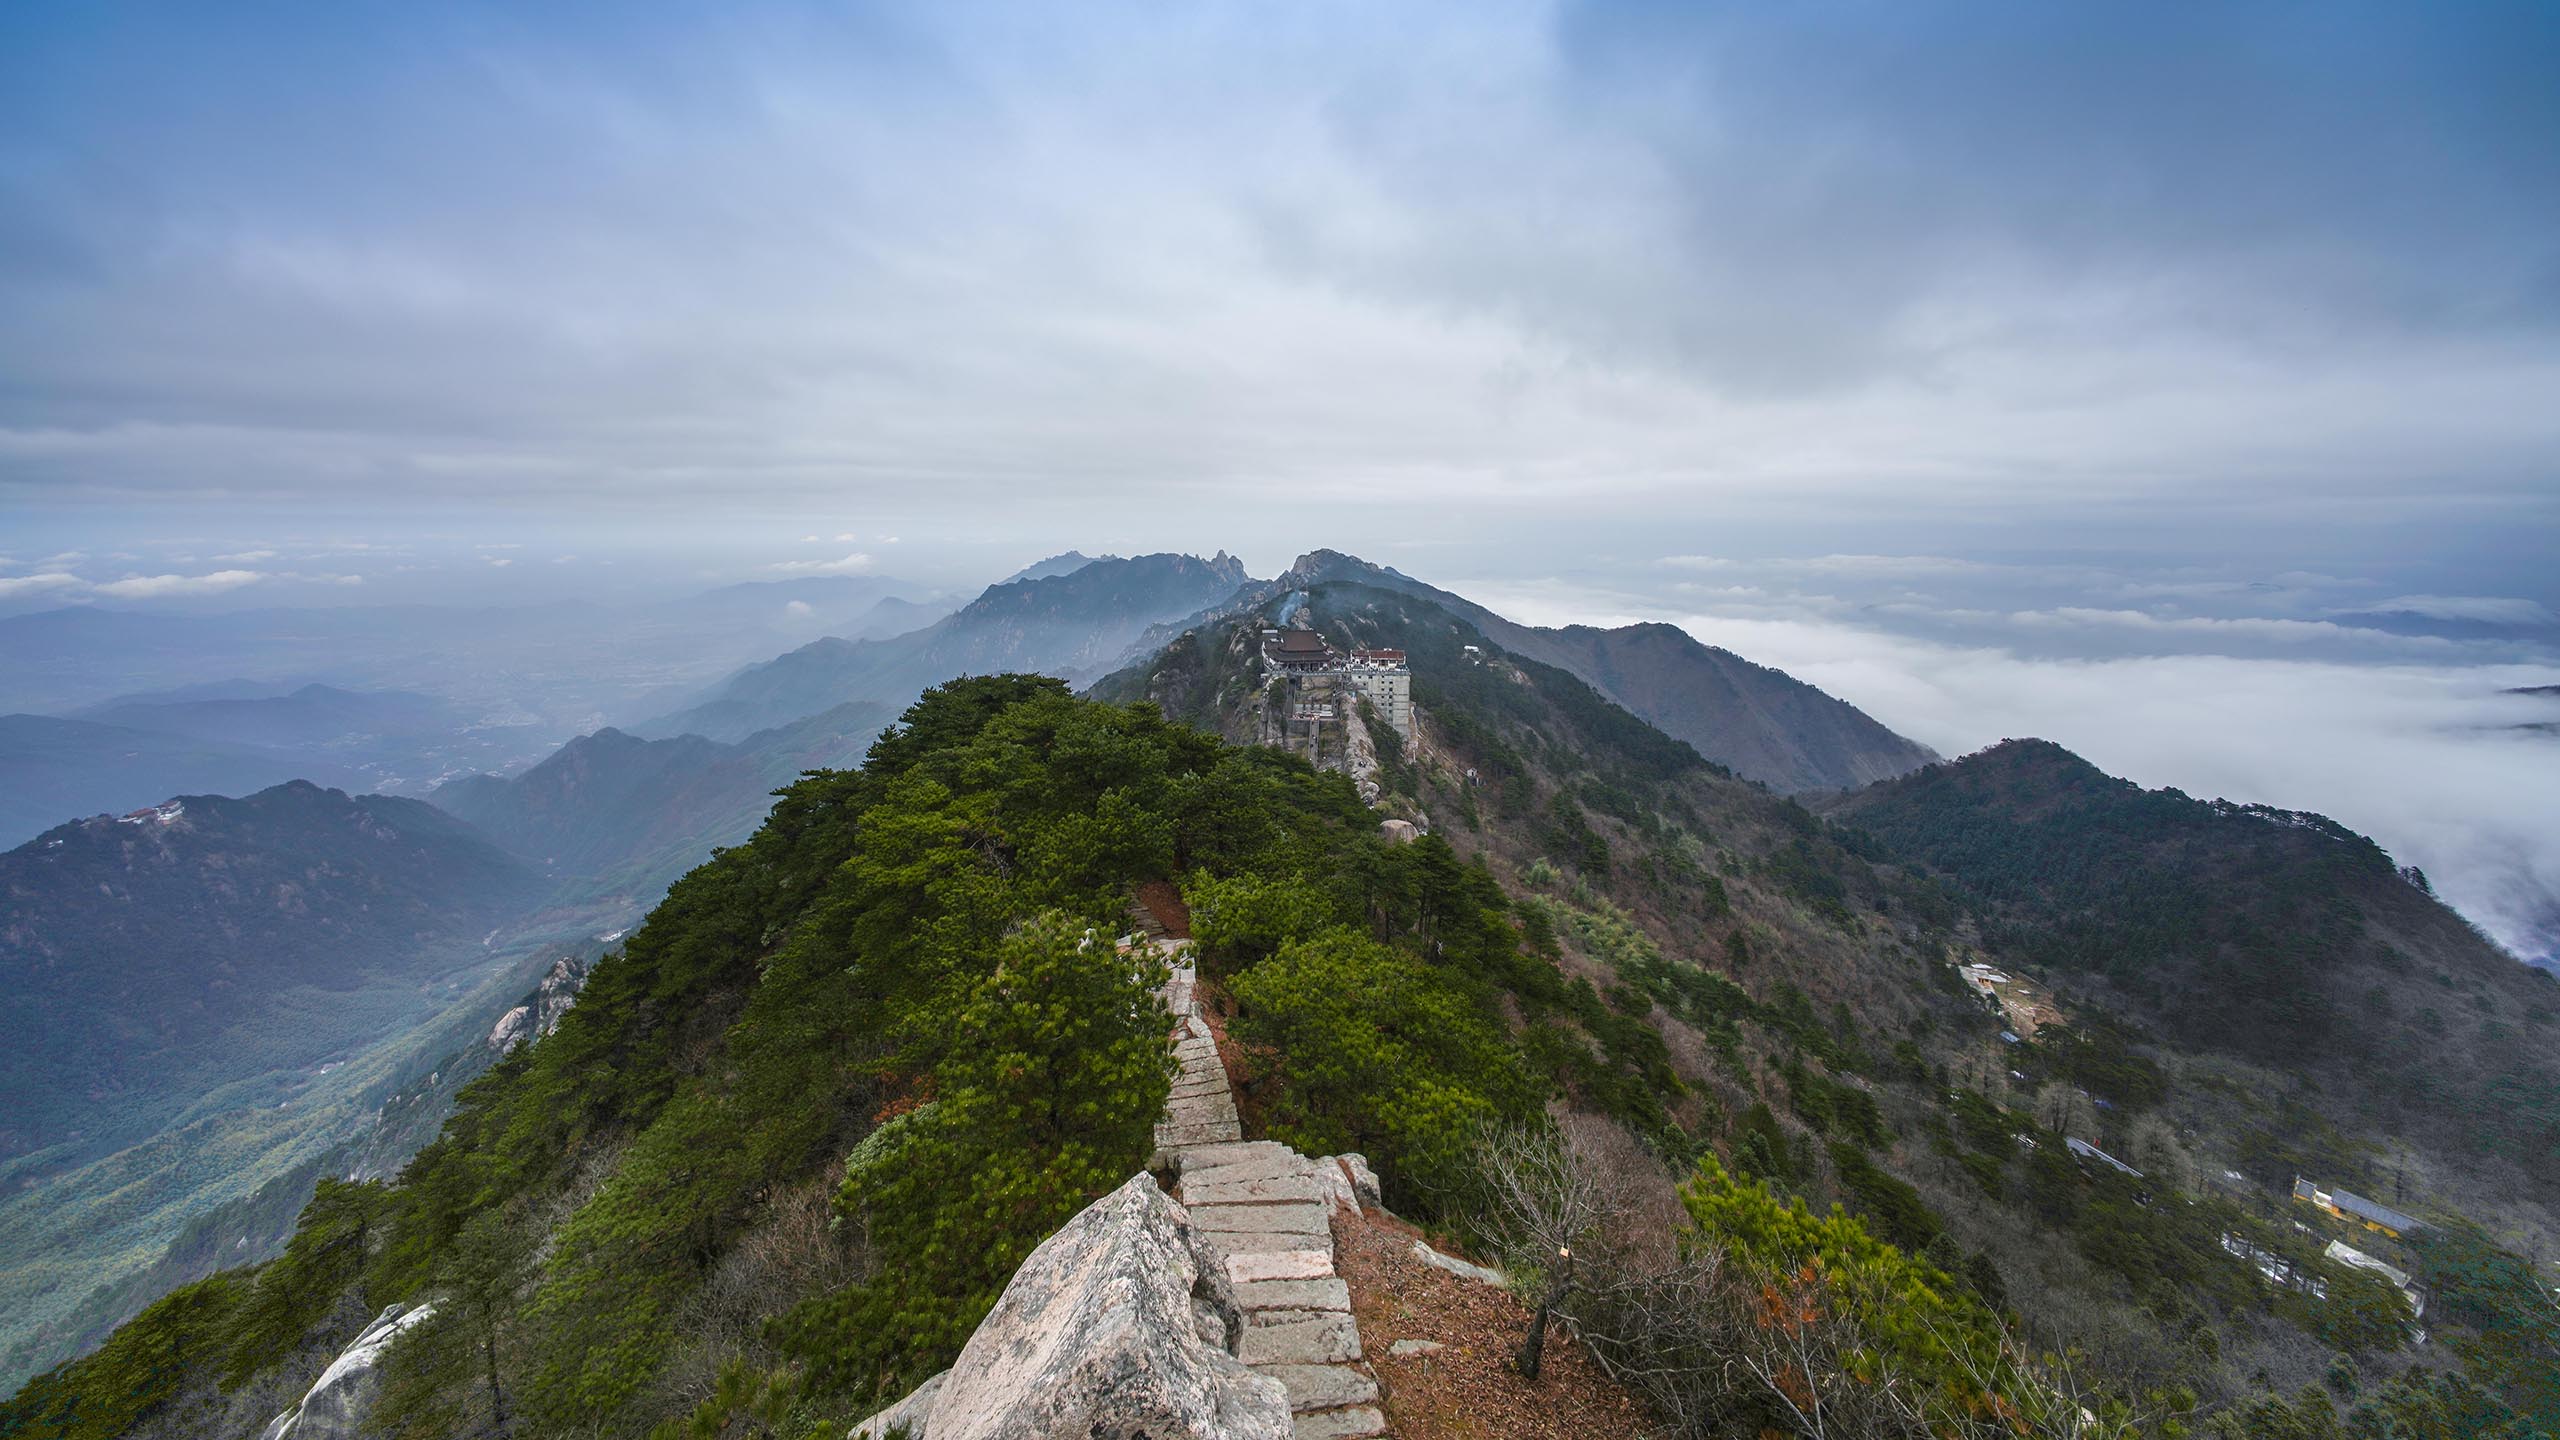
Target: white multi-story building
1385,681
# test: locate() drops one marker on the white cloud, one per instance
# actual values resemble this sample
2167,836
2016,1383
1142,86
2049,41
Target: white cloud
811,540
245,557
854,564
154,587
799,609
2424,758
2491,609
2234,627
499,561
847,538
2417,747
37,584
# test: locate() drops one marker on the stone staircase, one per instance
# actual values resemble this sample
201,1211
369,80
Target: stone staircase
1267,1210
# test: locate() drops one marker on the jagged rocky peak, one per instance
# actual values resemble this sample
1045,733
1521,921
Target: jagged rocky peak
1317,566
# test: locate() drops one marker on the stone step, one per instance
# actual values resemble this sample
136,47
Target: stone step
1319,1340
1199,1110
1176,1137
1207,1112
1323,1387
1325,1294
1266,1319
1245,1151
1296,1218
1245,1269
1237,1243
1206,1169
1354,1423
1252,1192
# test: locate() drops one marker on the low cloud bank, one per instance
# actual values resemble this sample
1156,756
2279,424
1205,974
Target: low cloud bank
2438,763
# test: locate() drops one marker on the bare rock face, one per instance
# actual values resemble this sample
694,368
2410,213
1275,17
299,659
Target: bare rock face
541,1012
1120,1326
340,1401
1360,756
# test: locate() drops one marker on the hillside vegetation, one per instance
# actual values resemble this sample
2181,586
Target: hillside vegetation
1617,1002
2272,935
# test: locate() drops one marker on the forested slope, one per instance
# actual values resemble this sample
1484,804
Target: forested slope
800,1129
2275,935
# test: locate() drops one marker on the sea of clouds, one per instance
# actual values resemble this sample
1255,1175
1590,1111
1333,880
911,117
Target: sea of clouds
2420,741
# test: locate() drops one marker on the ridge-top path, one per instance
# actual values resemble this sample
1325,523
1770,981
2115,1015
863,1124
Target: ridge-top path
1267,1210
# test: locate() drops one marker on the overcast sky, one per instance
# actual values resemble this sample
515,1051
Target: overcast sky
2072,333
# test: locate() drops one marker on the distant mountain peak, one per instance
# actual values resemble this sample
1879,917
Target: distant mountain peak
1762,723
1064,563
1077,626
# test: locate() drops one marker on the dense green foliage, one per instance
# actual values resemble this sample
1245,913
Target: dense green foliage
1378,1052
294,1291
2514,1344
1056,1072
868,944
1842,1317
141,1368
909,975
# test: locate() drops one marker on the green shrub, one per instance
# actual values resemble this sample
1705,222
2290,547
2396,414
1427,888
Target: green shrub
1370,1050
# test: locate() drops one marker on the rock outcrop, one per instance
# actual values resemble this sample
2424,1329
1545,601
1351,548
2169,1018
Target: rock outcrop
540,1013
338,1403
1122,1325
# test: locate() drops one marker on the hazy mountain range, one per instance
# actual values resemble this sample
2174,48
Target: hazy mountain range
611,814
1065,617
202,954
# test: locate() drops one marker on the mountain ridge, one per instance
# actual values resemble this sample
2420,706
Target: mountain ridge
53,767
1755,720
1075,625
616,813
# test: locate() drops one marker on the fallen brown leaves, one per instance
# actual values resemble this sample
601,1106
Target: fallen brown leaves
1467,1389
